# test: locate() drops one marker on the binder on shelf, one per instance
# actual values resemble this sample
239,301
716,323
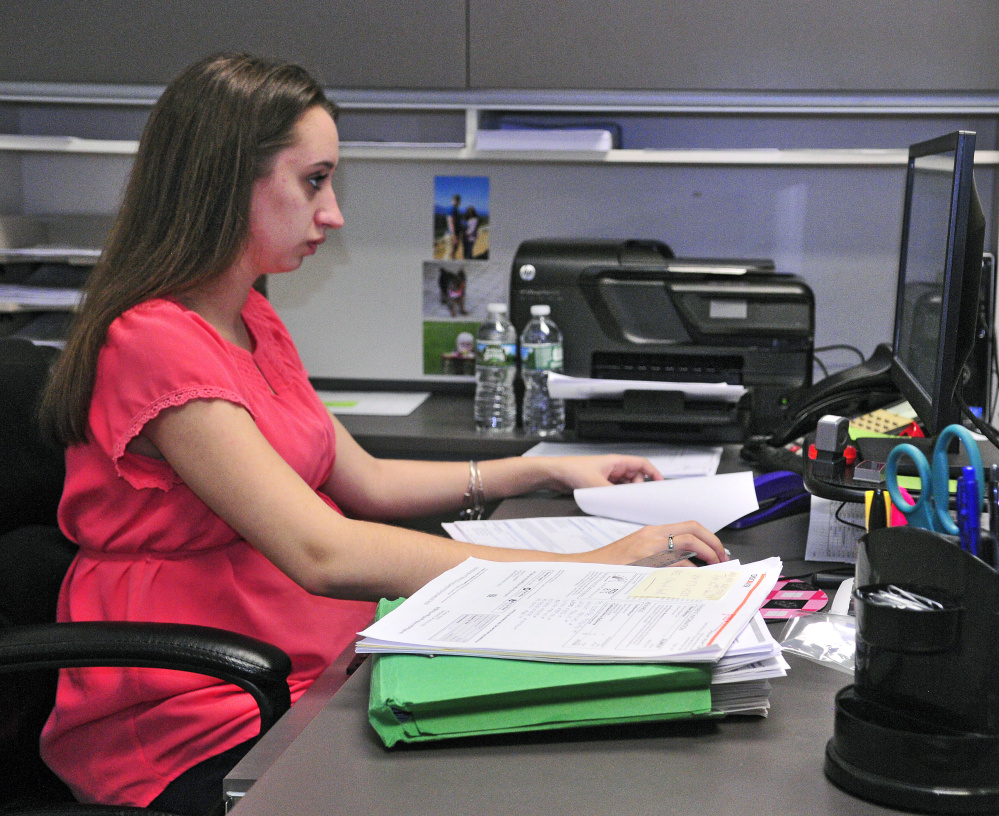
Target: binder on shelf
415,698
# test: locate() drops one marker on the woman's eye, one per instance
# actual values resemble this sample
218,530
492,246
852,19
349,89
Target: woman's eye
317,181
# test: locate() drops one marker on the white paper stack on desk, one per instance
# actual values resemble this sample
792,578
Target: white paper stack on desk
739,678
598,613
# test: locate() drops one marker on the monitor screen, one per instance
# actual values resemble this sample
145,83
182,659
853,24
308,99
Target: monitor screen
940,268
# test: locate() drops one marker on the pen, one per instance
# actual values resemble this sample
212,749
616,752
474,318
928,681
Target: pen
992,506
969,513
994,503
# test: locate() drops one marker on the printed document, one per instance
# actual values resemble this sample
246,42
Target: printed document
834,530
575,613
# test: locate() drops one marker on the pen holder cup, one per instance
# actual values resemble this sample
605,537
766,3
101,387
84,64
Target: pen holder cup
919,728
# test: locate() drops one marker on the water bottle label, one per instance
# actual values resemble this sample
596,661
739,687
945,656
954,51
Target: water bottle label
542,357
496,354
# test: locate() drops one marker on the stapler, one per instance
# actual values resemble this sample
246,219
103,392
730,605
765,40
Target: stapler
781,493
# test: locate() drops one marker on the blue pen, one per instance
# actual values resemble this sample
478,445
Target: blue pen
969,513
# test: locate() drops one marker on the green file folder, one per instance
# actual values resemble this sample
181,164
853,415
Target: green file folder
415,698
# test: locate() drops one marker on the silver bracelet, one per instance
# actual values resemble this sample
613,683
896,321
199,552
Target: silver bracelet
475,497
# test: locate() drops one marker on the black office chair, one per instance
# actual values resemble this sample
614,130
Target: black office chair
34,557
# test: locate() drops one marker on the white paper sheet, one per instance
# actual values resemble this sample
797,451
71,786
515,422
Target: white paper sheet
562,386
558,534
829,538
373,403
673,461
714,501
574,613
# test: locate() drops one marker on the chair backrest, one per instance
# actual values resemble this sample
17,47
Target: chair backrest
34,557
31,472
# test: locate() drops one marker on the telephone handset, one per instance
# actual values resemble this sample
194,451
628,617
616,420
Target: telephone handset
854,391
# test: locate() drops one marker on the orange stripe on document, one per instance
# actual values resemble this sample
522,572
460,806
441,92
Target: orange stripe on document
735,611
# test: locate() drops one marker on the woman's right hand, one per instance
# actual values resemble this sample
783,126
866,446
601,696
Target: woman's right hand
687,535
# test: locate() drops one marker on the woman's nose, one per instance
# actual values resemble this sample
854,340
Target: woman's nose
329,216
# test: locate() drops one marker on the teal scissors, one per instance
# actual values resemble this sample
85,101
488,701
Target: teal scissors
931,508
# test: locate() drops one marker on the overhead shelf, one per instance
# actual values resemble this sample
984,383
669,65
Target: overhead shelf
439,126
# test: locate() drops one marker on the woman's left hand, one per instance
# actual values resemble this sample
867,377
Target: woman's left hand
570,472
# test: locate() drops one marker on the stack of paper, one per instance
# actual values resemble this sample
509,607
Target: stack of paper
641,626
416,698
739,678
570,612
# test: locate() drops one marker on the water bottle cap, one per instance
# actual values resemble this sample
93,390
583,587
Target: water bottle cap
541,309
496,307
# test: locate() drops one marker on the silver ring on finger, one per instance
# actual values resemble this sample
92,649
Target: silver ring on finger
669,543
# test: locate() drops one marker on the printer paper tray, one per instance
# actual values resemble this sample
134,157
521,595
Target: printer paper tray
603,419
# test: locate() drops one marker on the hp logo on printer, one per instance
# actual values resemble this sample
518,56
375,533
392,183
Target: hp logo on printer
527,272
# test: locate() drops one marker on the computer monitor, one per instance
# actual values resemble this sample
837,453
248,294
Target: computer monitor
939,278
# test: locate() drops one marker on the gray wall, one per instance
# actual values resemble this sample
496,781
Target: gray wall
720,44
708,45
355,308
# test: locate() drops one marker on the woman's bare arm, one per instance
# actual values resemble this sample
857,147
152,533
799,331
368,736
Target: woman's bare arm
220,454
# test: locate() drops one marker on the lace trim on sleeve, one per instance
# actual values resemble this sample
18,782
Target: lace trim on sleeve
156,472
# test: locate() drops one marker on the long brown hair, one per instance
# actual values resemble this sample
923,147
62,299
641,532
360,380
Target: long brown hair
183,221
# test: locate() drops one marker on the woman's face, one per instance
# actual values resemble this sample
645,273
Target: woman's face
293,205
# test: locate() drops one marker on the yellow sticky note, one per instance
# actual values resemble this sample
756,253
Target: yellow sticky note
686,584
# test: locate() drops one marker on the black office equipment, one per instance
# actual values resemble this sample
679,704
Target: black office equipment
631,310
938,314
939,278
854,391
919,728
944,305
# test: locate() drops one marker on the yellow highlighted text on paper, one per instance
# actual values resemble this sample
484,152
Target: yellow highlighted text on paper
686,584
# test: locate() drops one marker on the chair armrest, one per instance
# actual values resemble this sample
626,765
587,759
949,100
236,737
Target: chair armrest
258,668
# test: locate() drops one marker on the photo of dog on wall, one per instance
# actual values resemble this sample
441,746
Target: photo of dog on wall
455,297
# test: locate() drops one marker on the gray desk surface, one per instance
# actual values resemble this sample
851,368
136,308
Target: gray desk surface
741,766
441,428
745,766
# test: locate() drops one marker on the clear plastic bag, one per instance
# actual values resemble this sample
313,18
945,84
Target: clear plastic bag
825,638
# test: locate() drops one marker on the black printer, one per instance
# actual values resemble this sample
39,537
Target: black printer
631,310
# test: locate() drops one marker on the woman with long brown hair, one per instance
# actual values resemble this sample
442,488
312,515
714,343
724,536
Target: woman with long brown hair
206,483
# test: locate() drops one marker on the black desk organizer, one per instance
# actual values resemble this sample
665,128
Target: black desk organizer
919,728
659,415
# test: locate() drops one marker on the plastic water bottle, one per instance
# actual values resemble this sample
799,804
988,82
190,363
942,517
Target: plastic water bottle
495,371
541,352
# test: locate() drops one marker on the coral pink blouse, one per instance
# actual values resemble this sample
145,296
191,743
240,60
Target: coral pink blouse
150,550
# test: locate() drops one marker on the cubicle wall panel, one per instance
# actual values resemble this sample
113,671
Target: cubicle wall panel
73,183
348,43
84,121
355,308
11,187
720,44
